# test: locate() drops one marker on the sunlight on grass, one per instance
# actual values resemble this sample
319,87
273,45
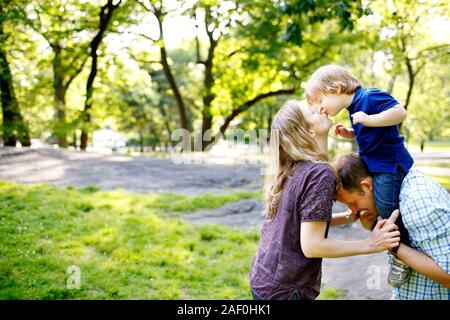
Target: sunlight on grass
175,203
123,243
443,180
431,146
433,164
330,294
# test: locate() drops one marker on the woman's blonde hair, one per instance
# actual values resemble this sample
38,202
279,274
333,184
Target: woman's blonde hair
331,79
290,141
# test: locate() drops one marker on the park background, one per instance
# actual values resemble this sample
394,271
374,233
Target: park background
92,205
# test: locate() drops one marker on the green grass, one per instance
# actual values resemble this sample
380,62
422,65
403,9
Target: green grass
174,204
123,243
330,294
443,180
442,145
126,246
433,164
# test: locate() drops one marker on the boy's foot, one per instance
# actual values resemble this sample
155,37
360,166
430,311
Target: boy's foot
399,273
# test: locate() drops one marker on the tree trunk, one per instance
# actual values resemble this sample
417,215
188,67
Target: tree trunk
411,79
182,110
176,92
141,142
14,127
391,84
208,83
60,97
106,13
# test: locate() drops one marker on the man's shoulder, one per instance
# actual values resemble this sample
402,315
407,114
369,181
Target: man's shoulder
415,179
418,186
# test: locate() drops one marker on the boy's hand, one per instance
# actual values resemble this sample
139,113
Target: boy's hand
342,131
361,117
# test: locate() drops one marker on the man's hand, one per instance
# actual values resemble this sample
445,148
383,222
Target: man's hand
342,131
361,117
385,235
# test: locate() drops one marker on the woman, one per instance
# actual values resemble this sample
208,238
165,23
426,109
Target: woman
299,192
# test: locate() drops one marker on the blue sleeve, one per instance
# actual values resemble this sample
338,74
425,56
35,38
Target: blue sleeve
380,101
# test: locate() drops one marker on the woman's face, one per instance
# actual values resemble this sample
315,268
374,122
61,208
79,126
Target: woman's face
320,123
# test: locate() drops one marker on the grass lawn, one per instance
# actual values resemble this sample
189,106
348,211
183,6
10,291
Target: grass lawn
443,180
442,145
431,164
126,246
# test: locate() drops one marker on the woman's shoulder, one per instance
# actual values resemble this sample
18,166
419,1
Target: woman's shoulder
314,170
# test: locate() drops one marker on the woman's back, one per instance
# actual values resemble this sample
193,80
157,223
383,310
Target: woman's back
280,270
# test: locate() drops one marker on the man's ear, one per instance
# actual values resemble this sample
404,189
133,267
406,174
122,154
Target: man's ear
366,184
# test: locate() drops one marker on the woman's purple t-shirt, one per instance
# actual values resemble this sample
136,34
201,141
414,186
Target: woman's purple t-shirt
280,269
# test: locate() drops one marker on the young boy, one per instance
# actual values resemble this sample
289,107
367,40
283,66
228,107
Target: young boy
374,116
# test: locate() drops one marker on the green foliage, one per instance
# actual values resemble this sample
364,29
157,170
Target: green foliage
261,46
121,242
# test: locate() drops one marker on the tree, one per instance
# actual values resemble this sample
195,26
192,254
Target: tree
61,26
404,24
14,127
106,13
220,21
429,112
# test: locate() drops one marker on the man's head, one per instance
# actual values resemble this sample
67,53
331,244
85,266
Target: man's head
329,87
355,183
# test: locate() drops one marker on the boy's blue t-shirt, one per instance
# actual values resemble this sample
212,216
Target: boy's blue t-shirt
381,148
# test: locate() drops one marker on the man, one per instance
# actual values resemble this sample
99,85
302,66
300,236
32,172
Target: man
425,208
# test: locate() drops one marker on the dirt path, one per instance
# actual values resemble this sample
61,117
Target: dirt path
140,174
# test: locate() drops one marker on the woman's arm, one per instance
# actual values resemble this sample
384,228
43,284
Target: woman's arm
315,245
344,218
423,264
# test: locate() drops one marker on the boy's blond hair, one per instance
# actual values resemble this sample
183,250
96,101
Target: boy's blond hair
331,79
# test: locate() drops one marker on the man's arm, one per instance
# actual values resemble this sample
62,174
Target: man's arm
417,260
390,117
423,264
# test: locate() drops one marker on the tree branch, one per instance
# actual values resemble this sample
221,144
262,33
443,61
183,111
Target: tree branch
247,105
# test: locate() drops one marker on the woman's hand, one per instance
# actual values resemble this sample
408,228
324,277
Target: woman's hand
385,235
342,131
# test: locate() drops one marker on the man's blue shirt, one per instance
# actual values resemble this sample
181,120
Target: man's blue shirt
381,148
